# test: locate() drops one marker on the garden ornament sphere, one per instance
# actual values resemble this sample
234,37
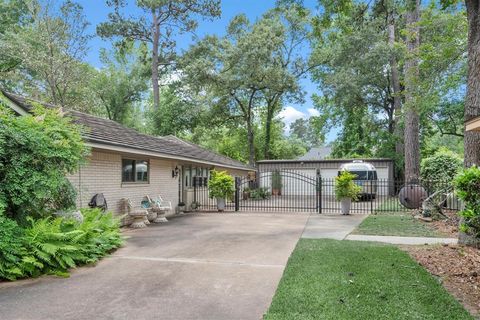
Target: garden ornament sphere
411,196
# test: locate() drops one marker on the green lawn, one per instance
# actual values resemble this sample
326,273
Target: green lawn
390,205
389,224
330,279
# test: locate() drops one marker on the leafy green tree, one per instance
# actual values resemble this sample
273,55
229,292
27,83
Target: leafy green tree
472,101
50,50
306,130
36,154
159,22
230,139
14,15
233,70
354,54
175,116
120,84
252,70
361,49
288,63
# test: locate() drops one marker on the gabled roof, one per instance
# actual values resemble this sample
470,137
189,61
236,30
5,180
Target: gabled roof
110,133
317,153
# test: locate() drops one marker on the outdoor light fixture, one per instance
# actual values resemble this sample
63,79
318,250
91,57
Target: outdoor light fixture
175,172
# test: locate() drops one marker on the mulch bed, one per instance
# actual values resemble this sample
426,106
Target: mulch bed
448,226
457,267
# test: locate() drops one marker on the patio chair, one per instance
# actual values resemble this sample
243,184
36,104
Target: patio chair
156,214
163,207
139,215
148,205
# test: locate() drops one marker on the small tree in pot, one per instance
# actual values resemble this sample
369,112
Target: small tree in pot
276,183
346,190
221,186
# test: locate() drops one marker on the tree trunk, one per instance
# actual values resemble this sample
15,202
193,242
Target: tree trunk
412,121
155,44
472,101
268,129
251,142
397,99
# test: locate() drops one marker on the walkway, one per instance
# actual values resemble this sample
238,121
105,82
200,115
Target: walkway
322,226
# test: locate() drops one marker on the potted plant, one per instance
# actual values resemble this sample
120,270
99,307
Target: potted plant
195,205
346,190
246,193
221,187
276,183
181,207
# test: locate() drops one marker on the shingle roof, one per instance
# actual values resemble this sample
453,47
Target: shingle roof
317,153
104,131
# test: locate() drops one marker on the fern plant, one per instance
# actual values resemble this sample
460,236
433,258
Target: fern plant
11,249
54,245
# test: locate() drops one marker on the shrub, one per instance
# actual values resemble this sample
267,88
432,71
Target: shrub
345,186
54,245
467,185
36,154
260,193
221,185
442,166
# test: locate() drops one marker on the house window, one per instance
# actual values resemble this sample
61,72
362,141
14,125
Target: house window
195,176
187,176
135,170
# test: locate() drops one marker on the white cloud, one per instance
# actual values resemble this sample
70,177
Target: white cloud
290,114
313,112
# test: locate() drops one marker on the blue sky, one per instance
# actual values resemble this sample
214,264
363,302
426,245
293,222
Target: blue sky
96,12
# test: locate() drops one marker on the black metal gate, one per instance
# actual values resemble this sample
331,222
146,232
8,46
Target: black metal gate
307,191
282,190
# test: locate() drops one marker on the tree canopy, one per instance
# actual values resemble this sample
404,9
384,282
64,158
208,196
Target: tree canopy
389,75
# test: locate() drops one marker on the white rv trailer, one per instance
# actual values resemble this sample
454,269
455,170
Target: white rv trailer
366,177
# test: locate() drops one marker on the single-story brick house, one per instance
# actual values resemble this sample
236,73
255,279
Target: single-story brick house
127,164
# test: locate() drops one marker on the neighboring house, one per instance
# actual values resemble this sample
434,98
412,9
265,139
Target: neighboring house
127,164
317,153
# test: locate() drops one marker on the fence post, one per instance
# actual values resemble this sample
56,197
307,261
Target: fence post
319,192
194,180
372,199
237,193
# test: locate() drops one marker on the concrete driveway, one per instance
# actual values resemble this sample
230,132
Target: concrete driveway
206,266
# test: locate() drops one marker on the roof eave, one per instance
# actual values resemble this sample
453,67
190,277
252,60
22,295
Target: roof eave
323,160
118,147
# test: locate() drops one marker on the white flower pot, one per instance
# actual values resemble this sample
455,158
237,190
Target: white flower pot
221,204
345,204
